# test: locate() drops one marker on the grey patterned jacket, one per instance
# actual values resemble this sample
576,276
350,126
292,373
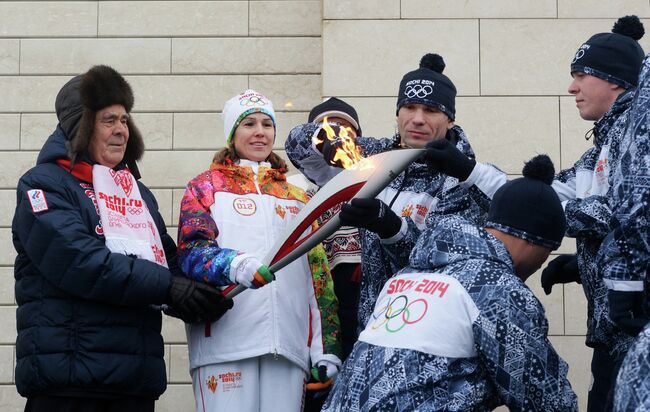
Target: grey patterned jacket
632,391
625,253
415,195
454,331
585,192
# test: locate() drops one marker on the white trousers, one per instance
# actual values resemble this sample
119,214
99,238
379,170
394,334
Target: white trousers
263,384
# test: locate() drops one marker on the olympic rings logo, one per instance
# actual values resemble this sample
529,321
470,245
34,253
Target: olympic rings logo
252,101
578,55
418,90
397,313
134,210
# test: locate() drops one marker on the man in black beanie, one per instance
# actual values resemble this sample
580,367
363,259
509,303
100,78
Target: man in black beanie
605,71
458,329
391,223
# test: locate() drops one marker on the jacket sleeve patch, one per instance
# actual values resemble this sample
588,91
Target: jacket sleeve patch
37,200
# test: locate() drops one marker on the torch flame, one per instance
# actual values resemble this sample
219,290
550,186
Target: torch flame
347,153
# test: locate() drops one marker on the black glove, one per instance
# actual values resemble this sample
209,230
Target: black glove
442,156
371,214
329,147
627,310
562,269
196,301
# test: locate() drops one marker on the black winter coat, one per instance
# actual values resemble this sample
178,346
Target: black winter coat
84,320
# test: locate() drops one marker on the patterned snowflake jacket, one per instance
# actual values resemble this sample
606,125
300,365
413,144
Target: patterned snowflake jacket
454,331
232,209
632,391
585,193
625,254
414,195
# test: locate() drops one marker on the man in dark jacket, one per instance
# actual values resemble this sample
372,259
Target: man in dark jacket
458,330
390,224
88,331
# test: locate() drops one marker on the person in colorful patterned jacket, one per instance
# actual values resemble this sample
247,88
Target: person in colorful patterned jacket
632,391
458,330
390,224
256,357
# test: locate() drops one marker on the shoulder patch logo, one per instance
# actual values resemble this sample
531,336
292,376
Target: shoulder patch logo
37,200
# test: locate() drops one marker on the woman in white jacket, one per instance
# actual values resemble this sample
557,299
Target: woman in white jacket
257,356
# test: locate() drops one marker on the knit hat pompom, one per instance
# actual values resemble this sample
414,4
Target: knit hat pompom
433,61
541,168
629,26
528,207
614,57
428,86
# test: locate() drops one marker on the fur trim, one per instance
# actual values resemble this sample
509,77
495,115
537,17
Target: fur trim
102,86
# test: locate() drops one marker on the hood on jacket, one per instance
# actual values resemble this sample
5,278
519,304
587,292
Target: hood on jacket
454,240
54,147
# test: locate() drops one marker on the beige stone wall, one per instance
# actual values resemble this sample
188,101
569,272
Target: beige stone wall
508,58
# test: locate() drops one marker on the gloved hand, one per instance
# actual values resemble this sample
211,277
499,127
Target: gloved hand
562,269
371,214
247,270
194,301
192,317
442,156
324,370
329,147
627,310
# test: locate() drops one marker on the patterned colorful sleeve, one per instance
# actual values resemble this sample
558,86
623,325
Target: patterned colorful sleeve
199,254
327,306
511,339
625,252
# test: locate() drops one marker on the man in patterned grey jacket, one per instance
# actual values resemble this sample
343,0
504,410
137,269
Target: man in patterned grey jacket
605,72
390,224
625,252
458,330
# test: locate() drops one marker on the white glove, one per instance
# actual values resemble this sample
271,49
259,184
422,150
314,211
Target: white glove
331,369
249,271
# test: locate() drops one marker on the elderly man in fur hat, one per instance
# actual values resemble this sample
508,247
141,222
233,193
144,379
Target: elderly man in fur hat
95,262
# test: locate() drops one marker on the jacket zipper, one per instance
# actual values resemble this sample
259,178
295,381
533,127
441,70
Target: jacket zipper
272,285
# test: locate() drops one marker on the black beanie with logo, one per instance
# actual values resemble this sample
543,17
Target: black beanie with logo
428,86
528,207
614,57
335,107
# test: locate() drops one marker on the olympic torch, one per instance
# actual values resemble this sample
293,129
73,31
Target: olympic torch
365,179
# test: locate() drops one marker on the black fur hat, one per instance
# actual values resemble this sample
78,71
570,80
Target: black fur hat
100,87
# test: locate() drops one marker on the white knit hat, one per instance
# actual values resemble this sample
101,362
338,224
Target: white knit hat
240,106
